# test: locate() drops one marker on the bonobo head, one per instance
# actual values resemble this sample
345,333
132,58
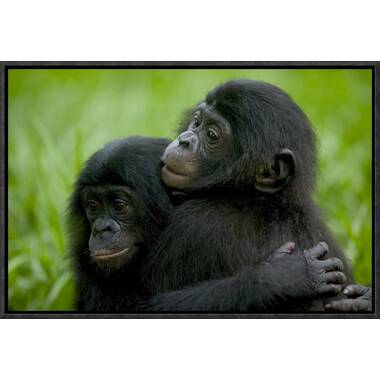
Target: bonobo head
110,212
246,135
119,205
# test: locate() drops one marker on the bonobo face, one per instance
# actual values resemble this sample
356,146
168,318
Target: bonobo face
196,151
110,212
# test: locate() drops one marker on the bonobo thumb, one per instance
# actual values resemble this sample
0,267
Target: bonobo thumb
285,249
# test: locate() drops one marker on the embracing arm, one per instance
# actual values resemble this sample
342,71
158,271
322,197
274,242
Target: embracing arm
259,288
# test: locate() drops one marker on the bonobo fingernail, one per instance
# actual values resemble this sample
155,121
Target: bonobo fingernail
291,244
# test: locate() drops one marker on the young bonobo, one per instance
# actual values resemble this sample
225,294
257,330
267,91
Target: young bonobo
245,162
117,212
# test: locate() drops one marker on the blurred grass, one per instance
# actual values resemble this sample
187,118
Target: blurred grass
57,118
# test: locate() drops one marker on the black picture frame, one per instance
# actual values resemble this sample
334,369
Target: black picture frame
5,66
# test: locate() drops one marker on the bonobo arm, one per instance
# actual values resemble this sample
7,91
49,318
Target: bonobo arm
260,288
359,298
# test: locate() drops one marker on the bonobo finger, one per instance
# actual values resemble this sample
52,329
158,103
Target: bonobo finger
285,249
330,289
355,290
342,305
348,305
317,251
335,277
332,264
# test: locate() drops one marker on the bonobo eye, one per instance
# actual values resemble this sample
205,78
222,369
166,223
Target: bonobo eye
197,121
212,136
92,206
119,205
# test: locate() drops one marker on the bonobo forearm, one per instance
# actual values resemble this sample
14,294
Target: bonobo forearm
216,295
283,277
256,288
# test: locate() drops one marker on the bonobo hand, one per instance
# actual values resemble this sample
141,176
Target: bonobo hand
359,299
323,276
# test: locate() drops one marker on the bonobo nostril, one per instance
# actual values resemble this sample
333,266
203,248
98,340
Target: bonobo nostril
186,139
183,142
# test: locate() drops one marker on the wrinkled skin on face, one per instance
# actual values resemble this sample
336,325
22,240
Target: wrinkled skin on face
110,213
208,152
197,150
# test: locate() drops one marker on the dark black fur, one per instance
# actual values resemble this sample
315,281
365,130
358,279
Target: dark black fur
216,252
226,224
134,162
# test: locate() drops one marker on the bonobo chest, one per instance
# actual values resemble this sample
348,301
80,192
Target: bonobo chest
209,239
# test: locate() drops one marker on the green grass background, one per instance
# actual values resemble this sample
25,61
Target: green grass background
57,118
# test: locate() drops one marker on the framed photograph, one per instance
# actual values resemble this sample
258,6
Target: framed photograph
189,189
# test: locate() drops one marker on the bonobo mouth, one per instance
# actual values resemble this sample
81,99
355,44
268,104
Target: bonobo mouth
175,178
104,255
174,171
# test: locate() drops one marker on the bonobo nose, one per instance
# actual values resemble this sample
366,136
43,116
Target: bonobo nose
187,139
105,225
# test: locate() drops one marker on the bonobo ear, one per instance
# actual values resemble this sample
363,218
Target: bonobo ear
278,176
